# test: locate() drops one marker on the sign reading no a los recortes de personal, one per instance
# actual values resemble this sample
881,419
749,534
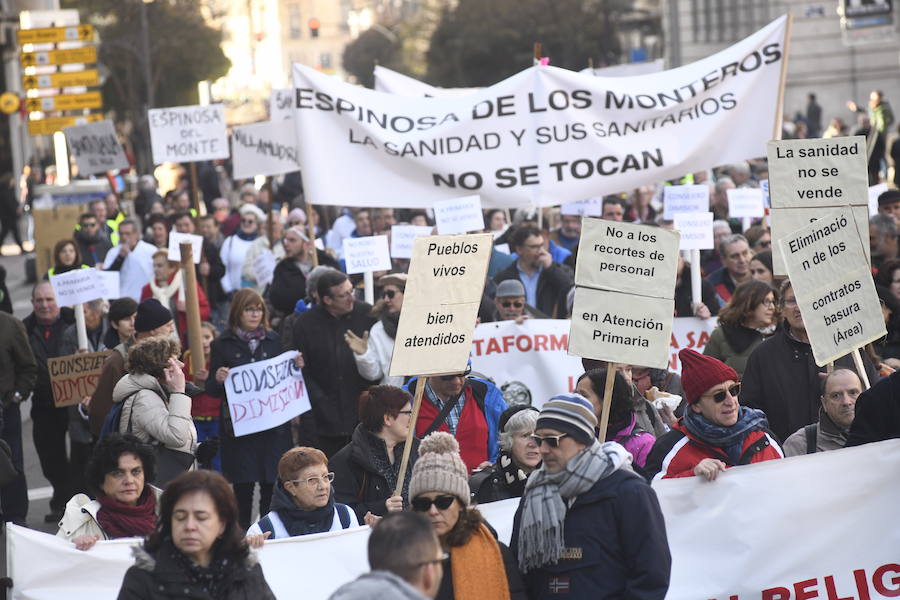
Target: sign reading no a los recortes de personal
188,133
833,285
262,395
440,305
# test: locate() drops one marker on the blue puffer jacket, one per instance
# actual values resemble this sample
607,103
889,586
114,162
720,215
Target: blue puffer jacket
490,399
615,546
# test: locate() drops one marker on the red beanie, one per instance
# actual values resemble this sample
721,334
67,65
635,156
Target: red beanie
699,373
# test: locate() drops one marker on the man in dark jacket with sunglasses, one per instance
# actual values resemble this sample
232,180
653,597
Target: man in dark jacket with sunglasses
716,432
509,303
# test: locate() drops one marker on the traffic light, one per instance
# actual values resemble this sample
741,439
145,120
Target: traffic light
314,27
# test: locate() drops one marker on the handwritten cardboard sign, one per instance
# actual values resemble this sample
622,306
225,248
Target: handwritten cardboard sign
188,133
75,376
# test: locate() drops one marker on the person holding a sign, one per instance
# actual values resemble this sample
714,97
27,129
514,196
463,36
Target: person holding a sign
744,322
304,500
250,458
289,278
167,287
716,432
372,352
567,531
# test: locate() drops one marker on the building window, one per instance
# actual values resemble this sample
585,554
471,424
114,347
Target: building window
295,25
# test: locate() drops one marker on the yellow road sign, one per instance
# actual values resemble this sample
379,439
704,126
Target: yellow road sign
85,78
51,35
9,103
64,102
54,124
88,54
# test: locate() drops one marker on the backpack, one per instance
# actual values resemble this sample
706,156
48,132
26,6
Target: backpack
111,422
343,511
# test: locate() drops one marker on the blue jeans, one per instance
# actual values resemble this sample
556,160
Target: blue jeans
206,430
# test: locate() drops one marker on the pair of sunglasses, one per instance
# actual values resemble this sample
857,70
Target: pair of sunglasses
508,304
552,440
422,504
719,396
463,374
389,294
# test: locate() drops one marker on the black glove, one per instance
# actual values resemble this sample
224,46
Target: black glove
207,451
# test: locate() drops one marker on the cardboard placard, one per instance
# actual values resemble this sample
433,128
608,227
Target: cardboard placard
458,215
365,254
621,328
833,285
268,148
188,133
821,172
175,241
264,268
624,257
262,395
402,237
591,207
785,221
696,230
440,304
281,104
50,226
75,376
685,199
96,147
745,203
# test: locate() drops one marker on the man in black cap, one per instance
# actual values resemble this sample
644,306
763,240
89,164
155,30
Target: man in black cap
151,319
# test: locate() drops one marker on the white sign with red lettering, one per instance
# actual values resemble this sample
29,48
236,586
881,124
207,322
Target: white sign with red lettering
262,395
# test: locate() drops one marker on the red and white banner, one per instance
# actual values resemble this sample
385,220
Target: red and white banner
688,332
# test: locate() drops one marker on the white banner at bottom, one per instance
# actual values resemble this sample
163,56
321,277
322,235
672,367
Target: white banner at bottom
816,526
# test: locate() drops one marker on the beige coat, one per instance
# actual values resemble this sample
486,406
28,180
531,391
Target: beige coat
154,419
80,517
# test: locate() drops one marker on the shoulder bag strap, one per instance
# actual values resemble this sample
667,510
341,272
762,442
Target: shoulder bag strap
442,416
811,431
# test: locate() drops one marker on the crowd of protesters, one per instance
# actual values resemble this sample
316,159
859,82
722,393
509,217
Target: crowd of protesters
144,448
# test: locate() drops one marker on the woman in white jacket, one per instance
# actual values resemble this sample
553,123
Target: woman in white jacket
156,410
373,350
125,506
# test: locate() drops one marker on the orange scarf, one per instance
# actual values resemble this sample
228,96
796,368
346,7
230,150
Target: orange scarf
477,568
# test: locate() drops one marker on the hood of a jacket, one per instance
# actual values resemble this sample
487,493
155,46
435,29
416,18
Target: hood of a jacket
131,383
383,585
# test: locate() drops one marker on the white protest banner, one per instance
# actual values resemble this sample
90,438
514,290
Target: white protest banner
264,267
265,394
627,69
281,102
109,284
788,220
392,82
528,362
175,241
541,137
623,257
874,192
696,230
402,237
188,133
268,148
745,203
802,493
621,328
78,286
764,186
96,147
440,304
833,284
678,199
459,215
591,207
366,254
688,332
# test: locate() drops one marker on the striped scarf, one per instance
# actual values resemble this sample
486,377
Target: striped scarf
544,504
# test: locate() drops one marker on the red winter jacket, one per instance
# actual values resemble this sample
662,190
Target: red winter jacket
677,452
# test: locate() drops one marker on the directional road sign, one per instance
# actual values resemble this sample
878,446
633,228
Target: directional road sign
64,102
54,124
88,54
85,78
52,35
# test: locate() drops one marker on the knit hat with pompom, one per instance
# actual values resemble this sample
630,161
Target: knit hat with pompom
439,468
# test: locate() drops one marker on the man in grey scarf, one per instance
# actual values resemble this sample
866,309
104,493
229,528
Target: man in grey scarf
588,526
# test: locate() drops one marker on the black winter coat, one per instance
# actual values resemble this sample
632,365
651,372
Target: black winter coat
289,283
159,577
214,292
500,481
252,457
358,482
332,380
782,380
877,413
553,286
615,546
43,349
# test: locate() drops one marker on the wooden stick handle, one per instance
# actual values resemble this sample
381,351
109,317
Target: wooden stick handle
607,400
192,308
311,229
860,368
417,402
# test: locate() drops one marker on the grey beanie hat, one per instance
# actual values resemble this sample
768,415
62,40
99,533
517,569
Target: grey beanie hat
439,468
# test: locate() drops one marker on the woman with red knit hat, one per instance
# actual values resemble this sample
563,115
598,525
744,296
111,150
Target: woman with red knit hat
716,432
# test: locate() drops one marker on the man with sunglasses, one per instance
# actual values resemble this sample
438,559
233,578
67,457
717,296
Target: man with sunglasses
716,432
92,243
509,302
568,530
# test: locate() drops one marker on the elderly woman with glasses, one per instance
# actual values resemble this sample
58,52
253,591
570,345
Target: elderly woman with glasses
247,459
745,321
303,503
372,352
519,456
478,565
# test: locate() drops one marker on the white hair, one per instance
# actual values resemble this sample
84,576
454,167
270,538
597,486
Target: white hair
524,420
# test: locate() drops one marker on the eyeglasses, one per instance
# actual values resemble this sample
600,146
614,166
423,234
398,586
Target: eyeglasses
312,482
89,224
296,223
253,309
764,244
404,412
768,303
389,294
719,396
422,504
790,302
463,374
248,221
552,440
444,556
515,304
